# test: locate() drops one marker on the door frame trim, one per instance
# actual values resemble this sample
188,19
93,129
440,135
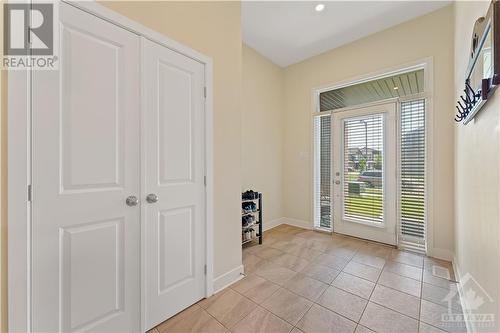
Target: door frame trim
19,166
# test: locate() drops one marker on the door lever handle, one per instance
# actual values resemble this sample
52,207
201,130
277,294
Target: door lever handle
151,198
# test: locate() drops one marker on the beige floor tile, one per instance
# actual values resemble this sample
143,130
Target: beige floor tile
304,252
274,273
296,231
344,303
401,283
369,260
381,319
341,251
407,258
291,248
251,263
298,240
321,320
268,253
436,315
396,300
354,285
362,329
248,282
296,330
230,307
272,237
376,250
287,305
441,296
251,248
260,292
282,245
291,262
331,261
306,286
426,328
320,244
404,270
363,271
193,319
204,303
262,321
314,235
319,272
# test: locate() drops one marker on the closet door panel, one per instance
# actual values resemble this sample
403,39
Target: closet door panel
86,162
173,105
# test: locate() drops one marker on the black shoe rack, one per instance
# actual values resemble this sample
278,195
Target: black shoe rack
251,217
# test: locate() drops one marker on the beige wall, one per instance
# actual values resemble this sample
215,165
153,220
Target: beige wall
477,177
427,36
214,29
262,131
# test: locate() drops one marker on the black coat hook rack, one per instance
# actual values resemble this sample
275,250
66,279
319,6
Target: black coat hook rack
483,70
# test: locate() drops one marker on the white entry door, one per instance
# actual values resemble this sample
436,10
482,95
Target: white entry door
173,164
85,239
364,172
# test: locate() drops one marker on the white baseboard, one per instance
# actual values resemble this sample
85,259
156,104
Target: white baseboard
287,220
442,254
297,223
225,280
463,299
272,224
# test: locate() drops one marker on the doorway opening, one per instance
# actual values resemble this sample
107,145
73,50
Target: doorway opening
370,164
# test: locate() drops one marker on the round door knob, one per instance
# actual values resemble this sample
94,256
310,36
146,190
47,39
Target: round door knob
337,182
132,201
151,198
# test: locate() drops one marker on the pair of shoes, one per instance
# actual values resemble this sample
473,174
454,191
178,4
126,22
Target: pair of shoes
247,220
249,195
249,207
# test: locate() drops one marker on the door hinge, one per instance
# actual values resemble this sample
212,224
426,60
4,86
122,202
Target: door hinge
205,269
205,180
30,194
205,92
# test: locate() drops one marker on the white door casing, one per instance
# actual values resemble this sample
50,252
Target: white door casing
173,166
85,239
386,231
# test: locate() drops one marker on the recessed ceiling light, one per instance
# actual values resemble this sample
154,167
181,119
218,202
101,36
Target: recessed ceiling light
396,88
319,7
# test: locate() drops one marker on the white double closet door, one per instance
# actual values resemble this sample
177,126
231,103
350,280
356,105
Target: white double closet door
123,117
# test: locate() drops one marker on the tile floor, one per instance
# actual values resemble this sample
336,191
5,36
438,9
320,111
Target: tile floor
305,281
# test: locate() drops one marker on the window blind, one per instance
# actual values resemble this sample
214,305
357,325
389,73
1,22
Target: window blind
363,168
322,173
412,174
